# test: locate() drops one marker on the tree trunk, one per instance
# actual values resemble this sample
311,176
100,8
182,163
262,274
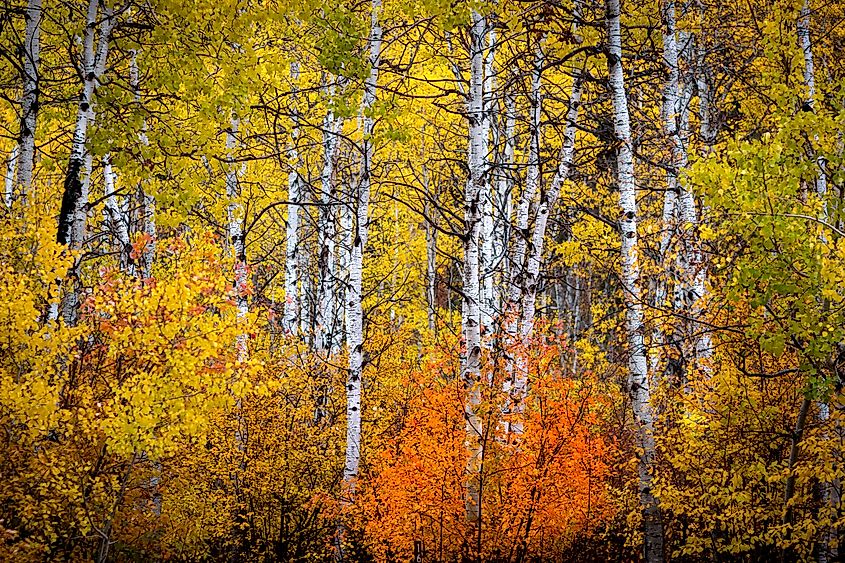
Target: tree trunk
516,384
93,65
471,317
29,103
827,548
74,209
355,313
354,291
9,179
307,298
547,205
806,44
670,114
235,219
292,259
117,219
148,203
638,380
488,256
327,228
431,261
504,192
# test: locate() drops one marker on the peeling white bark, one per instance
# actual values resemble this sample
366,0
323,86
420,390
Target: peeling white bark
670,116
828,550
504,193
306,286
806,44
430,258
149,210
92,64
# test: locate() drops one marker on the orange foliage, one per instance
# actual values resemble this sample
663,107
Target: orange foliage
538,489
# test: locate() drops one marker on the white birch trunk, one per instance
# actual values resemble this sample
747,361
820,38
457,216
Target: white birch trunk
827,548
689,264
523,209
806,44
116,218
638,380
532,186
148,209
707,129
430,258
71,302
306,297
488,255
74,209
292,258
707,133
234,212
354,289
9,179
93,63
544,211
326,235
29,102
532,175
346,236
504,192
471,318
516,367
354,311
670,117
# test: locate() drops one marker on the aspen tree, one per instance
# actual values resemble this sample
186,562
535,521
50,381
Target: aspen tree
234,217
546,207
31,54
806,44
148,203
504,193
117,218
327,233
672,201
638,378
430,255
292,259
354,296
517,369
549,198
74,209
827,546
488,257
9,178
471,315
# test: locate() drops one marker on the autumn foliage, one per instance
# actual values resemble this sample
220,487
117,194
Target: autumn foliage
433,281
540,488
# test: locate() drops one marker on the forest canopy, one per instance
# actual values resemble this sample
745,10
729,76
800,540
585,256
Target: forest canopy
422,280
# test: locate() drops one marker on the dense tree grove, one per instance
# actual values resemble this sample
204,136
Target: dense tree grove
422,280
